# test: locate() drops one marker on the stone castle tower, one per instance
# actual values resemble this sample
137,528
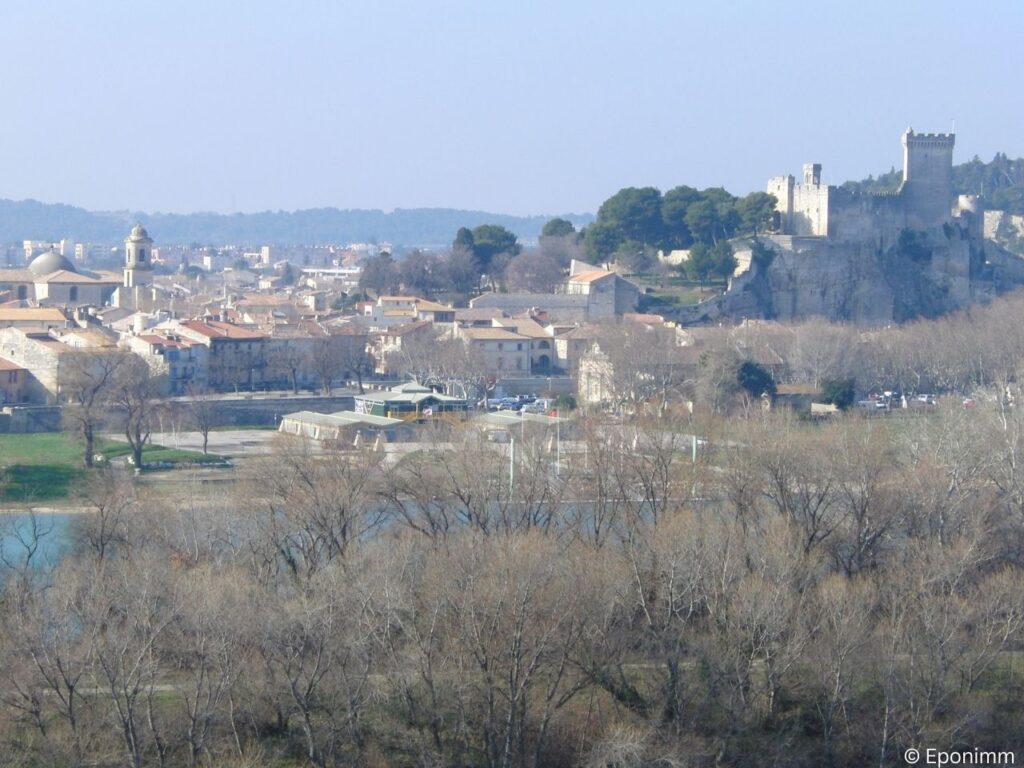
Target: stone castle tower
923,202
138,254
927,178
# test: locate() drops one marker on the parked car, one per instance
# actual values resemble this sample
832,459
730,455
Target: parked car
539,405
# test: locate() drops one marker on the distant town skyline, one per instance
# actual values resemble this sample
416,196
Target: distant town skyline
520,109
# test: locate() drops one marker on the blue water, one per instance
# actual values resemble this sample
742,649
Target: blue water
40,539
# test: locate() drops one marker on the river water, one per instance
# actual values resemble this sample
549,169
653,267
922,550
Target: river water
40,538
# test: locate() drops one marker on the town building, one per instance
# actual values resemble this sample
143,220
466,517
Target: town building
588,294
411,402
51,279
182,362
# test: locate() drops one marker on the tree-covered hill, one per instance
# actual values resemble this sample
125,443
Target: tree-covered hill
1000,181
30,219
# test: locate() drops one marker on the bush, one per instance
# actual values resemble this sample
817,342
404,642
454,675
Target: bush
839,392
755,379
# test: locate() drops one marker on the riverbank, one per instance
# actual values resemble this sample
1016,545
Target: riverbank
43,468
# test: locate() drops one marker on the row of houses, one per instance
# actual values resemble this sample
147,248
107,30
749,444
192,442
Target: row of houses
283,336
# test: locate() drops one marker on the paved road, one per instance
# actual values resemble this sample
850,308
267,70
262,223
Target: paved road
233,443
248,443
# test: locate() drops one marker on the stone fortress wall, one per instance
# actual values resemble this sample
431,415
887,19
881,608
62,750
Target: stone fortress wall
924,200
838,254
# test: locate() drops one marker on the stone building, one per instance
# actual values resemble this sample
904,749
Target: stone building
924,200
51,279
48,360
869,259
183,363
501,351
236,355
589,293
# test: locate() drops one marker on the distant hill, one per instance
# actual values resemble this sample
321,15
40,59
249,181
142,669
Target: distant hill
1001,181
32,220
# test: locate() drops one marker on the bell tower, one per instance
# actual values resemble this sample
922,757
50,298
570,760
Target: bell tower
138,254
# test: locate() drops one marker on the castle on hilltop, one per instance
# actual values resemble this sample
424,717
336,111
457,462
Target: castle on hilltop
924,200
868,258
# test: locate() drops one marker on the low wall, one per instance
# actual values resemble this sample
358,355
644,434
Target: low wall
235,411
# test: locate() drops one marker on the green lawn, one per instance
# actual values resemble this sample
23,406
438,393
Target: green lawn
43,466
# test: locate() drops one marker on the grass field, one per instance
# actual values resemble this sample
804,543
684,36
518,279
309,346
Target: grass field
44,466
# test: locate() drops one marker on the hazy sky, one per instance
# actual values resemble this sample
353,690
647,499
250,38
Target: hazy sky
514,107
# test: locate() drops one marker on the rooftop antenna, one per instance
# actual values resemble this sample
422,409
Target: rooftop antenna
953,121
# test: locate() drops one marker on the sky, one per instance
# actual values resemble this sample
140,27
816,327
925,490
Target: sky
511,107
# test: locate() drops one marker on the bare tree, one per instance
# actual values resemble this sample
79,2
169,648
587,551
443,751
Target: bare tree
90,378
335,355
312,508
134,396
533,272
203,410
444,362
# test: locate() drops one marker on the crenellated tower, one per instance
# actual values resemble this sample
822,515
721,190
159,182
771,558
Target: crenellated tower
927,178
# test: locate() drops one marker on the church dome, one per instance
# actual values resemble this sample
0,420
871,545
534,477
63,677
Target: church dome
51,261
139,233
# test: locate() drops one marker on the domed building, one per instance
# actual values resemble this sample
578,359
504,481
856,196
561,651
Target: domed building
50,262
53,280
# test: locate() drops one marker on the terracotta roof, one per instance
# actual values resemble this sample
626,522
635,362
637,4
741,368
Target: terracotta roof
484,313
639,317
66,276
524,327
398,298
407,328
7,365
590,277
31,313
215,329
263,301
423,305
92,336
491,334
16,276
580,332
163,341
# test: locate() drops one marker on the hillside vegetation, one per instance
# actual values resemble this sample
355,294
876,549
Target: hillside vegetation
1000,181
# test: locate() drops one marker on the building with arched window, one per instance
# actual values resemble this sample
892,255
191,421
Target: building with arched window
52,280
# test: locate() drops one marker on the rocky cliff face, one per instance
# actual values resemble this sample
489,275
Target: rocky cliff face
920,276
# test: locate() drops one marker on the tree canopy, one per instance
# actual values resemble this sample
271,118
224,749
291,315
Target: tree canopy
635,219
380,274
709,261
755,379
485,243
558,228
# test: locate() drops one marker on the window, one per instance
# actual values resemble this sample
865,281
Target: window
519,347
12,377
142,254
73,293
501,346
22,292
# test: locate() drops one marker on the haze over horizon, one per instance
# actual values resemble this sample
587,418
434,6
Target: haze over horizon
517,110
